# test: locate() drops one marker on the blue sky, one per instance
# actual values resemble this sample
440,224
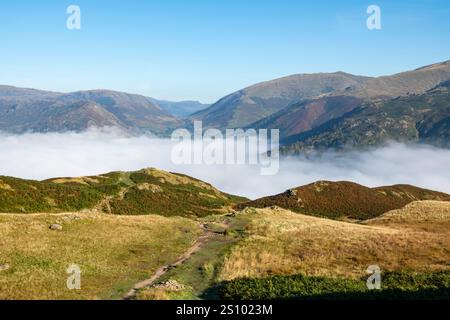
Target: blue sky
202,50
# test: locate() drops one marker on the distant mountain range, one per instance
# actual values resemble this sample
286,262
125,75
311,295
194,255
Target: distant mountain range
312,111
181,109
30,110
337,110
250,105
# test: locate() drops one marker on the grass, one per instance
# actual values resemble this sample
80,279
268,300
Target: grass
114,252
429,216
281,242
394,285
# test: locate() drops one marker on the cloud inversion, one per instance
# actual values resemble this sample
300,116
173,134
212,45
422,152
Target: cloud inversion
42,156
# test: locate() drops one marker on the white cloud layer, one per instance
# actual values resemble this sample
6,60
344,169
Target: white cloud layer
42,156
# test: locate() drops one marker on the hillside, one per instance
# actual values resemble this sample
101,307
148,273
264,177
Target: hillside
306,115
113,252
341,200
147,191
287,255
203,249
28,110
423,215
281,242
249,105
423,118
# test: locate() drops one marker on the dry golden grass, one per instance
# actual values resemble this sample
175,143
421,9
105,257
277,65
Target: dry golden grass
283,242
80,180
5,186
113,252
153,294
431,216
168,177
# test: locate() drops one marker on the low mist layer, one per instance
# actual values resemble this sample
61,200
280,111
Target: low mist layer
42,156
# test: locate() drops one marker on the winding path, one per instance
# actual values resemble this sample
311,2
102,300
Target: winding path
205,237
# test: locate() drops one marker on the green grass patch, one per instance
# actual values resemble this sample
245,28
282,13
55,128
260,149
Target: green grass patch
395,285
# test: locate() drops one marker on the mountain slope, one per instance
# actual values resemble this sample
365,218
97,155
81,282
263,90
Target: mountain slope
257,102
304,116
112,251
339,200
147,191
254,103
415,118
411,82
280,242
27,110
11,92
419,214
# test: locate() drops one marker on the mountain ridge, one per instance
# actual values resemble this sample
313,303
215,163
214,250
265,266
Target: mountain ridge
254,103
345,200
31,110
147,191
300,105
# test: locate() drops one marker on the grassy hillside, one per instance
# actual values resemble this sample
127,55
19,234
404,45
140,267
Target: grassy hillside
281,242
291,256
147,191
113,252
422,215
338,200
278,254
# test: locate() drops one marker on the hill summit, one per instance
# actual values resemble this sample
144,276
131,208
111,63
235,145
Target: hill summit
341,200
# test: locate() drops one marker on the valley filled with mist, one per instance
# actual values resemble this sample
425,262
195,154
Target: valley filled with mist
43,156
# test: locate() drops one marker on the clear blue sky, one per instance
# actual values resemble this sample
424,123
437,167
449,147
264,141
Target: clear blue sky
193,49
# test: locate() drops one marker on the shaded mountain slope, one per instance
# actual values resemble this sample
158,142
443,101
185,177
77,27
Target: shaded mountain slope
415,118
304,116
